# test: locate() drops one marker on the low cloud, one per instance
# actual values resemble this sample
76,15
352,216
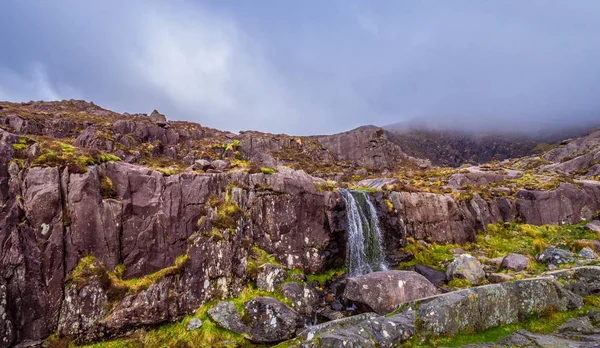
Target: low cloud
312,67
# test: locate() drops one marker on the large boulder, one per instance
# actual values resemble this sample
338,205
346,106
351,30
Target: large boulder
587,253
556,256
514,262
466,267
382,292
271,321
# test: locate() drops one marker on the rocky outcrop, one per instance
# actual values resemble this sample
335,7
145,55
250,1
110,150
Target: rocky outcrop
471,310
514,262
367,147
271,321
382,292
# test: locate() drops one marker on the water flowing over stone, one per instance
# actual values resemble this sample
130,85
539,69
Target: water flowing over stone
364,252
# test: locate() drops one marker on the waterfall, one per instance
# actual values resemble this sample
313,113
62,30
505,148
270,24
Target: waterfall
364,252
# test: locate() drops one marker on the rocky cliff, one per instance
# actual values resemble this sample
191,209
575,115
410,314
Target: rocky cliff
111,222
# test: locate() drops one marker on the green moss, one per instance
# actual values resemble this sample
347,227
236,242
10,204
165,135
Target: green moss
19,147
135,285
106,188
459,283
267,170
325,186
259,257
323,278
228,214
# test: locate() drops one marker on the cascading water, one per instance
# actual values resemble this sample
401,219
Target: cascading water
364,252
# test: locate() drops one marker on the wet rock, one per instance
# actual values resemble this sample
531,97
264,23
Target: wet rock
467,267
437,278
587,253
270,277
227,317
304,298
515,262
593,226
496,278
194,324
382,292
298,277
271,321
556,256
7,333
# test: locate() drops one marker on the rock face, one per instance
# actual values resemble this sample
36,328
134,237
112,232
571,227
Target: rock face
270,320
514,262
470,310
466,267
382,292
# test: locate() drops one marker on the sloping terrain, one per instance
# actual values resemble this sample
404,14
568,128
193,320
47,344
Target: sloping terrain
112,223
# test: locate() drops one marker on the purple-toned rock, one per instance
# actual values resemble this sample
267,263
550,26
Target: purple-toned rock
437,278
382,292
515,262
271,321
270,277
304,298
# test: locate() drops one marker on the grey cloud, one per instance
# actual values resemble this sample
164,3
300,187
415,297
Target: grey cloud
312,67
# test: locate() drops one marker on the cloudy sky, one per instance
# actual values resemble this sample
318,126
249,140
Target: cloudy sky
311,66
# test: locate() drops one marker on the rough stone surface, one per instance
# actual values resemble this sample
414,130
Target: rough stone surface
555,256
587,253
496,278
304,298
270,277
467,267
515,262
593,226
474,309
193,324
382,292
271,321
227,317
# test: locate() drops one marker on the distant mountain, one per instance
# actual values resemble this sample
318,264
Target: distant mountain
455,148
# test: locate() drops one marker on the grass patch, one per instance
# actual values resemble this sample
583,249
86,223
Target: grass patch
258,258
107,189
323,278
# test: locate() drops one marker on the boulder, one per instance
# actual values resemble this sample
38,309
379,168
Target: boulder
201,164
437,278
157,117
270,277
467,267
587,253
556,256
270,321
515,262
593,226
496,278
382,292
579,325
496,262
304,298
220,164
194,324
227,317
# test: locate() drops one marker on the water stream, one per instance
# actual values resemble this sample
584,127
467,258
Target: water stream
364,252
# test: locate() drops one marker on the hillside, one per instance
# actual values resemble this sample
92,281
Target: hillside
454,148
136,230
